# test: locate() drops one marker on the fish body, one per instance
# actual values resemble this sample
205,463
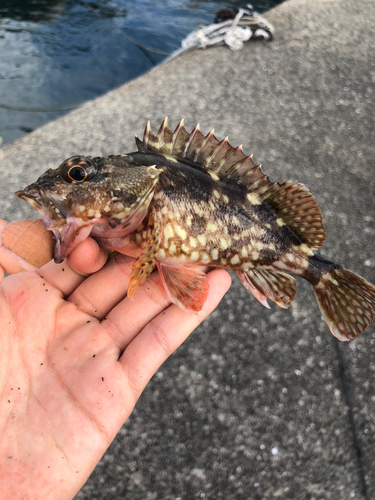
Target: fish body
185,200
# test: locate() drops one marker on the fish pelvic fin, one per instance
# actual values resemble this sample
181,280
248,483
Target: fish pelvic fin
271,284
346,301
185,286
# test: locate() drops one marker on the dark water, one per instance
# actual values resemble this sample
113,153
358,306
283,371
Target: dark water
55,54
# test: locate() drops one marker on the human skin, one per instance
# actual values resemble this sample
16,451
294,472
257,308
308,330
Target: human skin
75,355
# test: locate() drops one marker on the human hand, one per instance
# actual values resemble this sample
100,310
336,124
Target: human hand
75,356
31,246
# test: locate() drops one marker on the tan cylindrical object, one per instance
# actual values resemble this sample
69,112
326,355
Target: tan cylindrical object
30,240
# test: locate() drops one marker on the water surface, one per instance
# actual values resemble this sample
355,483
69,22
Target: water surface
56,54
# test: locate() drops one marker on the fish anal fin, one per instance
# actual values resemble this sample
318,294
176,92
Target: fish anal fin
186,287
268,283
298,209
248,284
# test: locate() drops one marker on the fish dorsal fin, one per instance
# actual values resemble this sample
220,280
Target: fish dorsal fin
205,152
293,202
296,208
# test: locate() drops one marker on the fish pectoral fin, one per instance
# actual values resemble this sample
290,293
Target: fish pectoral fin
268,283
142,268
185,286
145,263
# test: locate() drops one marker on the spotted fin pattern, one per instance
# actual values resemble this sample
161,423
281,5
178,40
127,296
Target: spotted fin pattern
293,202
297,209
267,283
346,301
145,263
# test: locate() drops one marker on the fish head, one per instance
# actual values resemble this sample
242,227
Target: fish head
99,195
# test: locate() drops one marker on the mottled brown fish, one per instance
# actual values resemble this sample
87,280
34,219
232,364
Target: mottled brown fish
186,200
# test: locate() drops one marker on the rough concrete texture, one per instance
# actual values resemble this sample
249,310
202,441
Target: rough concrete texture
256,404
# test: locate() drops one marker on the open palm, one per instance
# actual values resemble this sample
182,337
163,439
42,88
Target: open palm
75,354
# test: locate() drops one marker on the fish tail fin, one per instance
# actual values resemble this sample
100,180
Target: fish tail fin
346,301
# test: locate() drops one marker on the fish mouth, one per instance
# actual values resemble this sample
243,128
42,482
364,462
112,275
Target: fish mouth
67,238
67,230
50,207
32,195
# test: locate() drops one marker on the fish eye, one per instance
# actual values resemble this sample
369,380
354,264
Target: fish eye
77,173
77,169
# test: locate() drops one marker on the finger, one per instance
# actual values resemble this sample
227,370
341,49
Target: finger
88,257
85,259
13,236
101,292
130,316
11,263
156,342
149,301
30,240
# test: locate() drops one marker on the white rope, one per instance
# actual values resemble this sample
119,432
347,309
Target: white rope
233,33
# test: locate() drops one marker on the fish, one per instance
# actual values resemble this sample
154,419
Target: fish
186,200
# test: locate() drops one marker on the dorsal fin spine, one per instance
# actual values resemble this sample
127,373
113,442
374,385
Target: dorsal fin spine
161,133
179,127
205,141
216,151
228,157
140,145
146,133
234,168
191,138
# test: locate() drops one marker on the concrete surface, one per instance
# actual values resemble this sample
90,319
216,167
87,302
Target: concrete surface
257,404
